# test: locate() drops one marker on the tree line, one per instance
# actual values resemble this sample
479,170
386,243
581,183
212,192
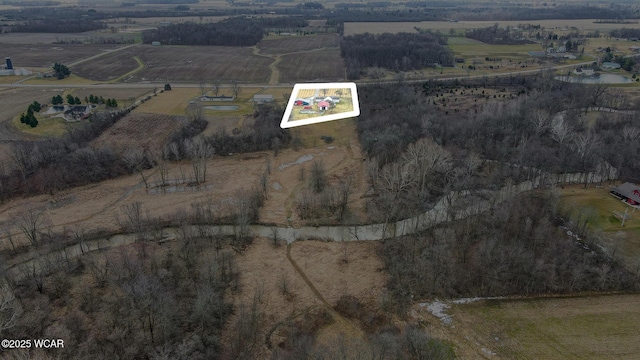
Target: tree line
397,52
237,31
57,25
497,36
625,33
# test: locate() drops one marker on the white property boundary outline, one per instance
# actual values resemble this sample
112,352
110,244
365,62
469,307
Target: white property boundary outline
287,113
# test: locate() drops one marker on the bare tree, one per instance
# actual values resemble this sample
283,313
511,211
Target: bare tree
317,177
132,218
540,120
203,86
30,221
560,130
199,151
216,87
425,159
235,89
136,159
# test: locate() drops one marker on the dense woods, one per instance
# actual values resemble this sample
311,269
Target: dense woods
238,31
398,52
516,249
625,33
491,140
496,35
55,25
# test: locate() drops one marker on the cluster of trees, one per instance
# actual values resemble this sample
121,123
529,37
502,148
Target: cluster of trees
230,32
92,99
515,249
29,118
322,199
625,33
237,31
135,301
497,36
264,133
397,52
539,130
61,70
71,100
60,163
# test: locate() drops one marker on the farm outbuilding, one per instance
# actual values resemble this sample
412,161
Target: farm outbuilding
259,98
627,192
324,105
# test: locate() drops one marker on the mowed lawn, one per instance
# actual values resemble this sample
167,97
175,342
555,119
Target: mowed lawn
599,208
590,327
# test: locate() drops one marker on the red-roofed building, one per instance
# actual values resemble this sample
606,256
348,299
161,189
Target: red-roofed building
628,192
324,105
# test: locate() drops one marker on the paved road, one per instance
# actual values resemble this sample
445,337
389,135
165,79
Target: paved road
151,85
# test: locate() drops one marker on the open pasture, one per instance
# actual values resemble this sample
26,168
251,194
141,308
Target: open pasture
39,55
351,28
140,130
590,327
599,209
322,65
469,49
190,63
276,45
174,102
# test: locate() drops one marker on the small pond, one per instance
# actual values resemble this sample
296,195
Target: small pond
602,79
222,107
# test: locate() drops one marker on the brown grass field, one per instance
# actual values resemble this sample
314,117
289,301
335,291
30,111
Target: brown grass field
149,131
172,102
323,65
588,327
187,63
275,45
38,55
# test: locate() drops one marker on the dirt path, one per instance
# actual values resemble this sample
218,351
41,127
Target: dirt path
341,324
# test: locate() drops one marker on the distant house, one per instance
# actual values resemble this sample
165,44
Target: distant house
156,43
76,112
301,102
260,98
610,65
627,192
324,105
537,53
583,72
335,99
217,98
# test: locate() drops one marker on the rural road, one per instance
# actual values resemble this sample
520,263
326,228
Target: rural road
151,85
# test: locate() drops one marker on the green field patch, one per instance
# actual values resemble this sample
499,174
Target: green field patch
598,208
47,126
597,327
493,51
